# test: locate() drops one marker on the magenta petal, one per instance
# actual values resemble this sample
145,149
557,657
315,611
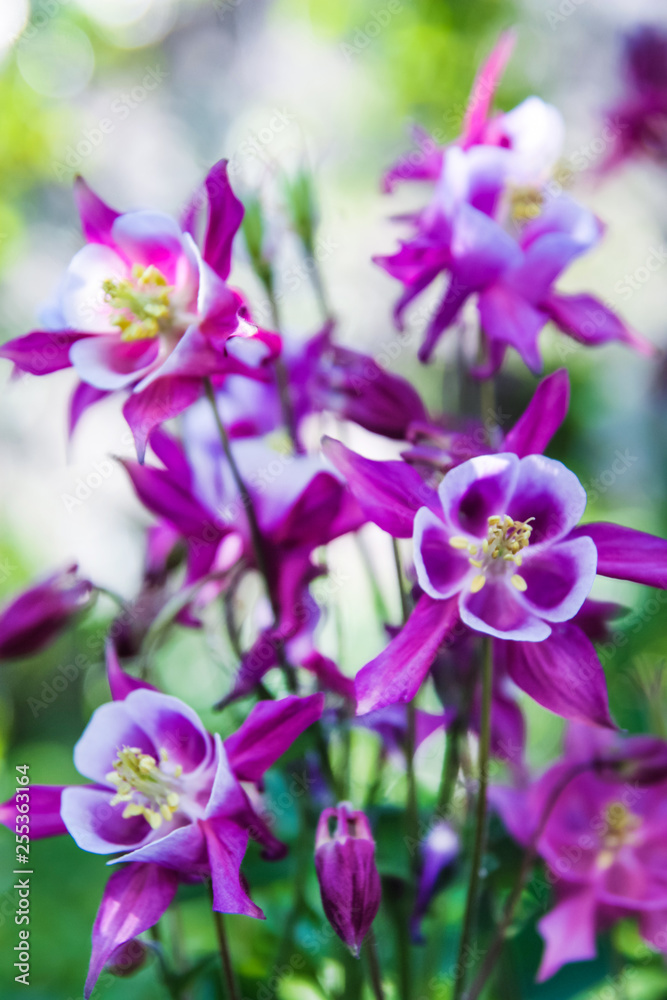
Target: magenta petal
45,818
484,89
548,492
588,320
164,496
456,295
96,216
109,363
181,850
268,732
507,318
226,844
497,610
569,932
441,569
626,554
171,725
225,214
559,578
171,453
389,493
397,673
477,489
424,164
148,237
481,249
328,674
83,397
562,673
36,617
544,415
134,900
95,825
226,797
42,351
120,683
161,400
517,811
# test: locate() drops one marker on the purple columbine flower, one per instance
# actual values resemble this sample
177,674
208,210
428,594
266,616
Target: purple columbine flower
603,840
349,880
167,798
168,792
142,308
37,616
500,545
562,671
637,124
498,233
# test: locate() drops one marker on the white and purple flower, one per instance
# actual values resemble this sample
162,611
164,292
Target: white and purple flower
168,797
500,543
142,308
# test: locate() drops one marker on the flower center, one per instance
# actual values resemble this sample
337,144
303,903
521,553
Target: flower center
143,784
141,303
619,829
502,545
526,203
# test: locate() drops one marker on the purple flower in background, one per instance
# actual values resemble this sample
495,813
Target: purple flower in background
142,309
638,122
493,229
300,506
349,880
328,377
34,619
603,841
439,852
324,377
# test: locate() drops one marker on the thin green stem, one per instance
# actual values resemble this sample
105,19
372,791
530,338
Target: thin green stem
412,811
167,974
402,589
381,609
228,977
165,619
113,596
455,748
282,374
255,532
374,972
246,499
480,822
318,287
450,769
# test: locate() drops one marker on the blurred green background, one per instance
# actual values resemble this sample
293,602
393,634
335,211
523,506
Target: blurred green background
331,85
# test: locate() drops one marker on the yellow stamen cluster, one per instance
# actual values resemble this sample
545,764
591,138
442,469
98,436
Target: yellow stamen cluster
141,783
141,303
505,540
620,827
525,203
